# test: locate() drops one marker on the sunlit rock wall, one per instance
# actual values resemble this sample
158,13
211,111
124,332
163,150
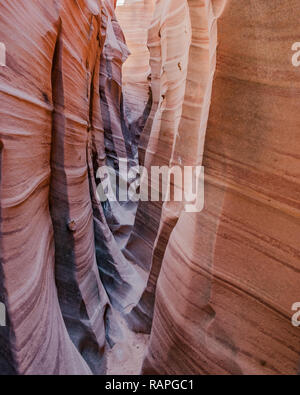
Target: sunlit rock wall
230,274
135,17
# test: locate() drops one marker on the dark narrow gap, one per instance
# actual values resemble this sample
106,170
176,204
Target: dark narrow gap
137,128
106,82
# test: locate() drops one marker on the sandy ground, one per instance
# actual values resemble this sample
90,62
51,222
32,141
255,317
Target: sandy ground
126,357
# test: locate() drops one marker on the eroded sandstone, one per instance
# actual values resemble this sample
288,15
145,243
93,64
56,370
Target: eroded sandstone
218,88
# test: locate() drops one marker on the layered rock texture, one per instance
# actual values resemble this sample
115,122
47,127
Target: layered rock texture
53,133
209,82
135,17
230,274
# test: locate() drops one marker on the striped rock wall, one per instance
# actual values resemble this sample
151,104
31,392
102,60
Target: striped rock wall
52,133
213,289
230,274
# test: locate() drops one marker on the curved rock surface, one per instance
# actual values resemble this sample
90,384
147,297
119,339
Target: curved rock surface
51,135
230,274
135,17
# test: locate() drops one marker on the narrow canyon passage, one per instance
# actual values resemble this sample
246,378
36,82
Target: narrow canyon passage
95,96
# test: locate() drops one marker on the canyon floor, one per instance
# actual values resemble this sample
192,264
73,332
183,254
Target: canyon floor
127,355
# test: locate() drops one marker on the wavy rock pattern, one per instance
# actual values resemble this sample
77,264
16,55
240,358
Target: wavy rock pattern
169,41
230,274
51,136
134,17
113,221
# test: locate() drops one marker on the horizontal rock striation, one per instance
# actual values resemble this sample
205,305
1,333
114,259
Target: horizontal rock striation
169,42
135,17
53,133
230,274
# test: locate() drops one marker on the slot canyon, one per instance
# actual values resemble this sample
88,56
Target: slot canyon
137,286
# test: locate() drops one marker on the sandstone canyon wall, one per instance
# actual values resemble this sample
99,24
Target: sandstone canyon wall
230,274
52,135
135,17
216,87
